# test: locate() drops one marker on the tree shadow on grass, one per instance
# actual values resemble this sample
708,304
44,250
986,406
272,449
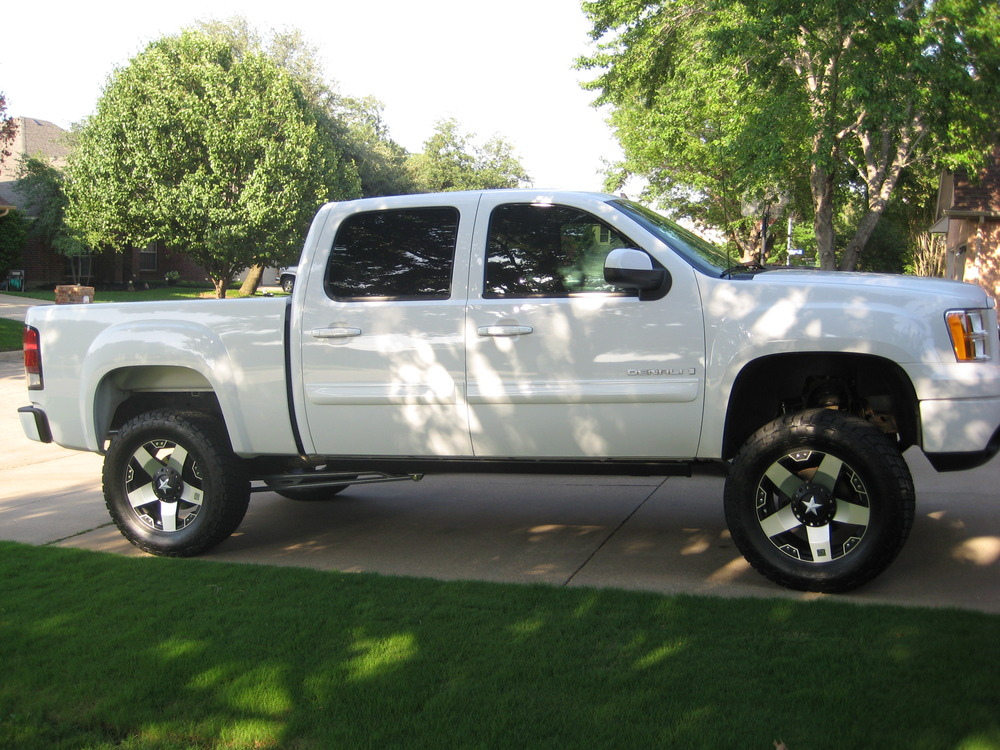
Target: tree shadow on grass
100,650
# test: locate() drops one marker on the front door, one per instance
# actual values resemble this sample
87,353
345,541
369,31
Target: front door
563,365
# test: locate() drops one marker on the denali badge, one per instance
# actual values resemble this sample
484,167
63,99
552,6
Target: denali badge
656,371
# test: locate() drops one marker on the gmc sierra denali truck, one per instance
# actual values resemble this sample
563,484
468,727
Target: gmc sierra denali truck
520,331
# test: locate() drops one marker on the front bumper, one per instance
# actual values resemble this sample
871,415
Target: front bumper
958,434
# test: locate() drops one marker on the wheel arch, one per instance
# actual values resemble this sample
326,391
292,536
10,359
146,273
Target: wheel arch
869,386
124,393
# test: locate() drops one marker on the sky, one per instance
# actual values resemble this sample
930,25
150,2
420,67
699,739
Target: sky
502,69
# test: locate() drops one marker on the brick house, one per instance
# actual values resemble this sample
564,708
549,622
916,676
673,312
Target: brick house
968,214
42,265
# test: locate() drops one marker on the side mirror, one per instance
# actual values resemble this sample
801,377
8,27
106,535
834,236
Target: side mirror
633,269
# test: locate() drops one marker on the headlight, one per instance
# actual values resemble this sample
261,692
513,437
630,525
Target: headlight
968,334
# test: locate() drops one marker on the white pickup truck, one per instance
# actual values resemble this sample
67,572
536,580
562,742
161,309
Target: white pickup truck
519,331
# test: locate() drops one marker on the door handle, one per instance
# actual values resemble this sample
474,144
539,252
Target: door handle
335,333
504,330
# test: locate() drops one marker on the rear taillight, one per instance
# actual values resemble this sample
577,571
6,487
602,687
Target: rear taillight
32,358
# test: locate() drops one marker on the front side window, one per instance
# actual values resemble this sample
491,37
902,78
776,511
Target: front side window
538,250
701,254
398,254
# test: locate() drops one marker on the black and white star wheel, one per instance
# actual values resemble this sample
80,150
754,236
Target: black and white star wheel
819,501
173,485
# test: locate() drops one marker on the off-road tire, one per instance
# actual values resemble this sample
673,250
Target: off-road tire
173,485
819,501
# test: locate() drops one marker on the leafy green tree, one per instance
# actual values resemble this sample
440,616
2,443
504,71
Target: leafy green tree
43,188
354,126
13,236
381,161
451,161
213,150
691,125
13,225
856,91
8,127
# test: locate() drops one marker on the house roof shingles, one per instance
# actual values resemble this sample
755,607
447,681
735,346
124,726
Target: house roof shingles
34,137
981,195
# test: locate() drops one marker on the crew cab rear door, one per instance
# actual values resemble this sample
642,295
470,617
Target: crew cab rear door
382,326
560,363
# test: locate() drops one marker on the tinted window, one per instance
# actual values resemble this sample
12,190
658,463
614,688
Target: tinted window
404,253
699,253
541,250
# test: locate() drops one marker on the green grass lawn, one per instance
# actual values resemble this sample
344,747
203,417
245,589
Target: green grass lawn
11,335
99,651
179,291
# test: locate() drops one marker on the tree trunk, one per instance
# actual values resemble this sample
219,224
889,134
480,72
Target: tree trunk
252,281
750,249
821,185
221,286
849,261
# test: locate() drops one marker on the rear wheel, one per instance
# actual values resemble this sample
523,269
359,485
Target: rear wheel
819,501
173,485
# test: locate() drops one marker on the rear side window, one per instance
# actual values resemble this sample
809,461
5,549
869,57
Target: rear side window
396,254
538,250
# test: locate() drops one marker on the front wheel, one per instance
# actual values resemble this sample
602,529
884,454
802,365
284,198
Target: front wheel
819,501
173,485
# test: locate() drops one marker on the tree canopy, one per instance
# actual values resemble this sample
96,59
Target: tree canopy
725,104
14,228
213,150
8,128
452,161
354,124
44,192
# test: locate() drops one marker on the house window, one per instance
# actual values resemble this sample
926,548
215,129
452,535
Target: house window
147,258
79,267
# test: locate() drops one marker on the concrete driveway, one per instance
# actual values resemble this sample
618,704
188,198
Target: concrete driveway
13,307
655,534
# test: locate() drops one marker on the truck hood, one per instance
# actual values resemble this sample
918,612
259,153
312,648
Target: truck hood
900,318
881,285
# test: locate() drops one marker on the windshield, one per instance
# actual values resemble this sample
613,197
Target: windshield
701,254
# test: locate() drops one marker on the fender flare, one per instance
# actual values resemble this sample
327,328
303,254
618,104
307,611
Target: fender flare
171,344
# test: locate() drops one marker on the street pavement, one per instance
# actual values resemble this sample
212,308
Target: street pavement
656,534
